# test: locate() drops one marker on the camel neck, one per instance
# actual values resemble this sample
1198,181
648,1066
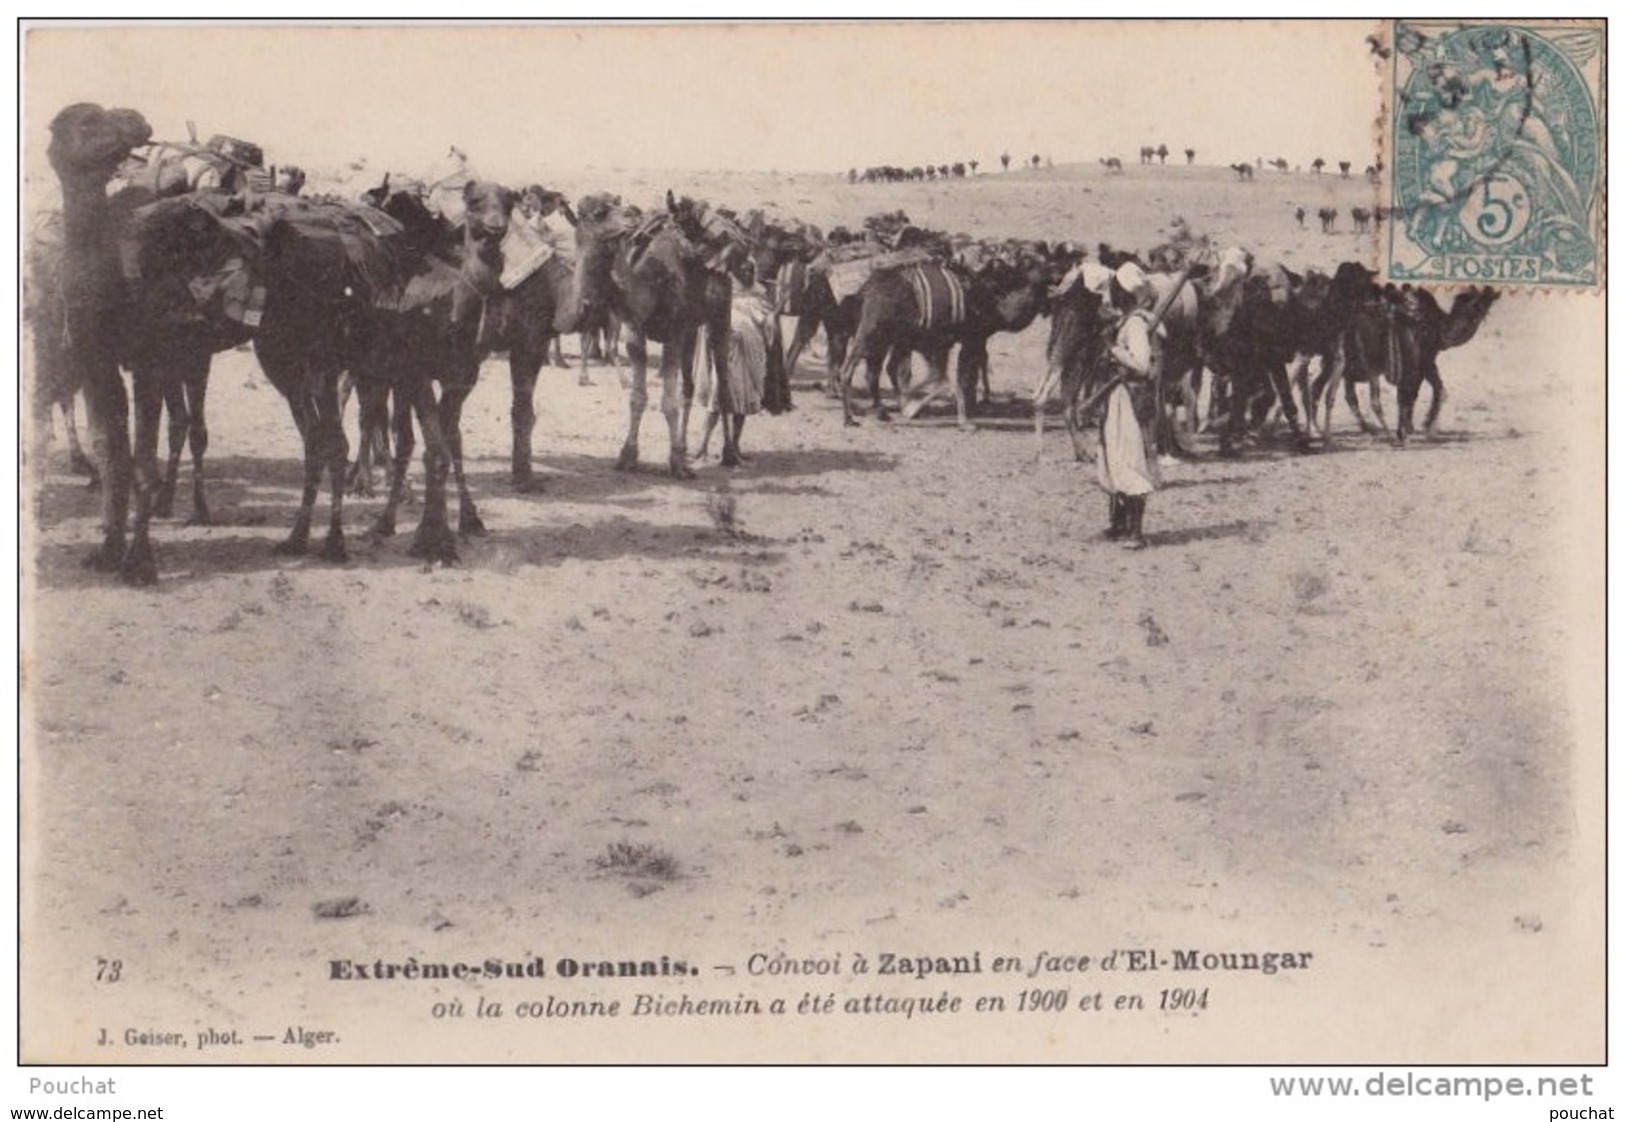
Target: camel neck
90,250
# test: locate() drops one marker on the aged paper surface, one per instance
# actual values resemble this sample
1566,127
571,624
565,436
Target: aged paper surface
872,749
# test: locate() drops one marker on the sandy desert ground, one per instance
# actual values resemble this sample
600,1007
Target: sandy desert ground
906,702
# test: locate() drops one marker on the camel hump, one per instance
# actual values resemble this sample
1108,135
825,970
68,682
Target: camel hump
939,296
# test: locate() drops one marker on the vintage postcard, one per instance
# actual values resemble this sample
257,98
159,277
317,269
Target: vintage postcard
1062,608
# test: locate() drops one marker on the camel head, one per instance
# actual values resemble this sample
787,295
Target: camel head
424,233
1467,313
539,202
602,228
1019,276
88,143
689,215
290,180
376,196
714,230
487,207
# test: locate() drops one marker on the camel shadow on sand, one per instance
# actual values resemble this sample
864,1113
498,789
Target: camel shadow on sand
614,539
253,502
209,554
574,477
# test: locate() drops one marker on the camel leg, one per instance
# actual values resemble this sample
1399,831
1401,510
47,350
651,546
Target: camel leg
1298,375
399,466
876,407
1430,373
938,362
197,439
1069,400
1333,373
610,333
78,462
308,421
1409,388
139,566
806,326
1235,411
900,371
363,451
451,421
1281,382
1375,390
1190,398
334,452
1046,387
434,540
838,346
107,409
936,381
373,444
1352,398
686,388
972,371
857,352
523,369
378,431
1419,370
1199,402
705,438
1167,432
637,351
174,397
717,338
583,374
674,404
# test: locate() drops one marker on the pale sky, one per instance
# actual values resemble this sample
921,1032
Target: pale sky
526,100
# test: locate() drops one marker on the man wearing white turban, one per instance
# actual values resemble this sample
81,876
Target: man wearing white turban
1126,470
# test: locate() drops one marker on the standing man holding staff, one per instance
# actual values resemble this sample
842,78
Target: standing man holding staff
1127,469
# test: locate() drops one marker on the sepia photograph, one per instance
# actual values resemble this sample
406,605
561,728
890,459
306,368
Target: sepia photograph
813,543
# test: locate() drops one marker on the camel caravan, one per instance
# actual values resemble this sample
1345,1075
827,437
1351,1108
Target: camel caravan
165,254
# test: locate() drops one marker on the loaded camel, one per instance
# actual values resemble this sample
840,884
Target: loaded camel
928,308
133,274
662,277
1397,334
428,331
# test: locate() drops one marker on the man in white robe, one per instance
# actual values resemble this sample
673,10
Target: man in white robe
1127,471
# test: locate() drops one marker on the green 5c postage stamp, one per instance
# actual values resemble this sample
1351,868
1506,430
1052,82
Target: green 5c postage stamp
1497,166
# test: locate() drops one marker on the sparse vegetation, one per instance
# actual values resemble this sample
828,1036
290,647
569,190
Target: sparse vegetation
723,507
1307,588
629,859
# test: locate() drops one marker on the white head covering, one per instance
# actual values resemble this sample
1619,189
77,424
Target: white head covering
1095,276
1091,274
1132,277
1234,264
